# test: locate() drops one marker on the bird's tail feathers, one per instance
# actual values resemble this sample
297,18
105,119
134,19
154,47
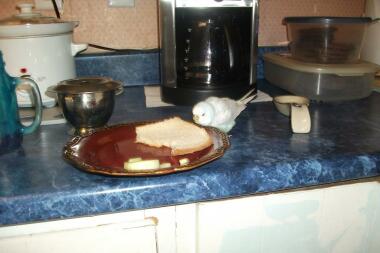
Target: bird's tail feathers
247,97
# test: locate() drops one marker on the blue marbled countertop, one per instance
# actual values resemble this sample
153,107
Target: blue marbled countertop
36,184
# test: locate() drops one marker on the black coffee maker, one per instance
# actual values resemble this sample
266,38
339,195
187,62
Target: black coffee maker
208,48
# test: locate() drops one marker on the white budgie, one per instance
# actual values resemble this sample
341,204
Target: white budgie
220,112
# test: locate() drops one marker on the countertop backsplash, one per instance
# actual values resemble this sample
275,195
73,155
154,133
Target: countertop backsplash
138,68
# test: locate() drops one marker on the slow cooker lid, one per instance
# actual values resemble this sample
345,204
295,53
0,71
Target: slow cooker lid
28,23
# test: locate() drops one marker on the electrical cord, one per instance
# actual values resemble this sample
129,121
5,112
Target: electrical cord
119,50
56,9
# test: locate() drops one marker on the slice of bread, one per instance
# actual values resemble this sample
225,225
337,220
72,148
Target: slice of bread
181,136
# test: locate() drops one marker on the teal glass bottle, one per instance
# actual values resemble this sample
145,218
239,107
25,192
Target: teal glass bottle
11,129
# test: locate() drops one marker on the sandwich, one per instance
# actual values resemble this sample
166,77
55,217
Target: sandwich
180,136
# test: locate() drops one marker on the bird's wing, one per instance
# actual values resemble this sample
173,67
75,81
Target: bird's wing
237,108
226,110
222,112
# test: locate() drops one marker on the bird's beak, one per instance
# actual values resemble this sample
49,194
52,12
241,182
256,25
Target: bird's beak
196,118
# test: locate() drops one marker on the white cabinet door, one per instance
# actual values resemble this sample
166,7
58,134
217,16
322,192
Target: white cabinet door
273,223
333,220
131,233
350,219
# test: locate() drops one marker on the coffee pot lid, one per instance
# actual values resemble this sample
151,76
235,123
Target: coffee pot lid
29,23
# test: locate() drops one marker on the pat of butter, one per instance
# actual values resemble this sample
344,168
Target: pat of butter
142,165
184,161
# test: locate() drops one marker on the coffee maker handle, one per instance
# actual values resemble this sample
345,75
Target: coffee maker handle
230,47
38,105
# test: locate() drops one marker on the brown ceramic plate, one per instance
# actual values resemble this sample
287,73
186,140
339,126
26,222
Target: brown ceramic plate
105,151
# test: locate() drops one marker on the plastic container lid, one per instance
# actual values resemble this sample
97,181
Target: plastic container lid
87,85
28,23
352,69
328,20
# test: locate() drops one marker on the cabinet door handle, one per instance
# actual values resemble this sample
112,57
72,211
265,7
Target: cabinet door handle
148,221
57,226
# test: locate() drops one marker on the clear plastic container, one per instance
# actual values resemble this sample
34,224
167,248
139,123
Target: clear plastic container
327,40
320,82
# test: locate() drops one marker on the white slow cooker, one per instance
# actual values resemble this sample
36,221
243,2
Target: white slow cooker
41,47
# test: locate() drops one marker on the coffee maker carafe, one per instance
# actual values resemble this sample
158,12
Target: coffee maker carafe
208,48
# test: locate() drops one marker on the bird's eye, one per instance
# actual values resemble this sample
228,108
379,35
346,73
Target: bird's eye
203,114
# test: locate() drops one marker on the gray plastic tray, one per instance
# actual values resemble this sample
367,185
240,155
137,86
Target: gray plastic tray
320,82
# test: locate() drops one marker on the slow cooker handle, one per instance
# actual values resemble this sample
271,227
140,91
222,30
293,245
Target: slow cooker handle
76,48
